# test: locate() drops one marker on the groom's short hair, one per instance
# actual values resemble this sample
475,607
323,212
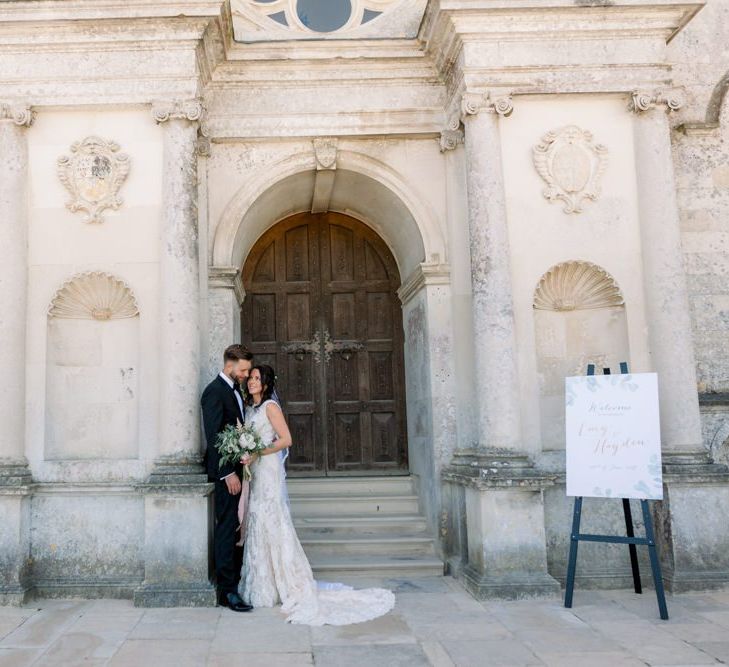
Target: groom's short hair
237,352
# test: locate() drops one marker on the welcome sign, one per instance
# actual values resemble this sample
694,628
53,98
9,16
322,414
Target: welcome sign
613,436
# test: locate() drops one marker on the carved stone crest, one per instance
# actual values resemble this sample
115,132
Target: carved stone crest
93,174
572,165
325,151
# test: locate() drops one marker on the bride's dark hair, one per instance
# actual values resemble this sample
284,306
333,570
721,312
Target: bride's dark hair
268,382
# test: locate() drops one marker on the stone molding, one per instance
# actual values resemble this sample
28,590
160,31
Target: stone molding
191,110
227,277
474,103
572,165
668,100
427,273
95,295
21,114
93,175
577,285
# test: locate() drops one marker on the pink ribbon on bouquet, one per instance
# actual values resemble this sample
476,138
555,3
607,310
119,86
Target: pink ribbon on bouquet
243,510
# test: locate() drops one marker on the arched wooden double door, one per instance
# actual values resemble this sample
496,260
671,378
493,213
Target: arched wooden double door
321,308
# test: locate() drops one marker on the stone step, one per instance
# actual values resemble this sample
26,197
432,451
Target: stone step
358,486
327,569
374,547
362,526
352,505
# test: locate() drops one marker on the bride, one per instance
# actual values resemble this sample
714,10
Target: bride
275,568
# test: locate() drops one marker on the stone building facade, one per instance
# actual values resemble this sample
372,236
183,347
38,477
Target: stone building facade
523,187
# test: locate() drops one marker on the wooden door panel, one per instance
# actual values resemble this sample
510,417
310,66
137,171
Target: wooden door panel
303,453
379,315
298,317
343,316
341,253
297,254
263,318
347,450
381,376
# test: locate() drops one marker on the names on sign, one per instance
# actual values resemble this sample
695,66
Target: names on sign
613,436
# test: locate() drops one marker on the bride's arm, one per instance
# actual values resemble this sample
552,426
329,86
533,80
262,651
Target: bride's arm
278,421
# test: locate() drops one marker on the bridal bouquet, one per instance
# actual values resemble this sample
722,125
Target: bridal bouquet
235,441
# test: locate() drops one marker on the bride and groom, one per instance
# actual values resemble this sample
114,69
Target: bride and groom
272,567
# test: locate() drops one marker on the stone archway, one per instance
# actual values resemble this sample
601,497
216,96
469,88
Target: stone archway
321,307
380,197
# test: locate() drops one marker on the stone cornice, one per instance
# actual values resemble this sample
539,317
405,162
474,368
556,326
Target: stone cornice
512,42
227,277
427,273
165,110
20,114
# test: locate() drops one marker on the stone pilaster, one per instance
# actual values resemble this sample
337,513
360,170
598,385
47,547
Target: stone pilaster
225,296
694,544
506,550
666,294
177,495
497,383
14,471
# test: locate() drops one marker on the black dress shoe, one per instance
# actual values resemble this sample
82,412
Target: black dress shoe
234,602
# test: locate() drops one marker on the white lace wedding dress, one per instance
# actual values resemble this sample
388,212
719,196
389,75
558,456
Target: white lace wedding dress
275,568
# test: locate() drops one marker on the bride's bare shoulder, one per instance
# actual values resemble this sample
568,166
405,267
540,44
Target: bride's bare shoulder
273,409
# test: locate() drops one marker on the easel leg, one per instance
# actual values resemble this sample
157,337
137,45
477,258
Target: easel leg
572,565
631,547
655,564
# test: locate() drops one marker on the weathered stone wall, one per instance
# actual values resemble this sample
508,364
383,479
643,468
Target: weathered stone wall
700,56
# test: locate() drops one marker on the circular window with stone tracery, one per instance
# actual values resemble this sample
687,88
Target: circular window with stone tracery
262,20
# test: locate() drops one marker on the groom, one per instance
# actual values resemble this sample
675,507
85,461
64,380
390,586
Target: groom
222,404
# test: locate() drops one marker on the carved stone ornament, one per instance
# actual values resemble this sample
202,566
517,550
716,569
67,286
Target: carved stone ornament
576,285
474,103
450,139
191,110
671,100
93,174
325,151
20,114
572,165
94,296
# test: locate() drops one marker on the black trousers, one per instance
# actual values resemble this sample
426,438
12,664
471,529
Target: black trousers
228,557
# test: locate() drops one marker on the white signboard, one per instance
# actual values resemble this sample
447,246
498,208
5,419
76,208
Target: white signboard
613,436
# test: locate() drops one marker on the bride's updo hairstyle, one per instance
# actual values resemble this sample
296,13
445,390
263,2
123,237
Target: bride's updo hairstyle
268,382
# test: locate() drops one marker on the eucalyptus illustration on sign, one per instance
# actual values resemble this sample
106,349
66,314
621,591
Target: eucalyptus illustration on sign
93,175
572,165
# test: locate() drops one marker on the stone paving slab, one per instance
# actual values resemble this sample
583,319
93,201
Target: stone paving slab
435,622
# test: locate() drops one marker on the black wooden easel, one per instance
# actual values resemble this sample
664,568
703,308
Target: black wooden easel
649,540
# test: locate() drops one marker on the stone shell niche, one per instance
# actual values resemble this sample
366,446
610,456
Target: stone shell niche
92,368
579,319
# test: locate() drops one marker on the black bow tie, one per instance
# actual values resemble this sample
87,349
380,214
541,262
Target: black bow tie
236,386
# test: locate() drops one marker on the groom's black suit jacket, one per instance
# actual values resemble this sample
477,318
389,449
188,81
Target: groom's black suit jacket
220,408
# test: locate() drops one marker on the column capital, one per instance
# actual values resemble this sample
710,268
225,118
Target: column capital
165,110
666,100
473,103
21,114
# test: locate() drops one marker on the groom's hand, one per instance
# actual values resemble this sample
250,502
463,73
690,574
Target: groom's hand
233,484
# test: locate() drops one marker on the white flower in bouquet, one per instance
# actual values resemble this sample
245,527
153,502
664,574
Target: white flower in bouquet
234,442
